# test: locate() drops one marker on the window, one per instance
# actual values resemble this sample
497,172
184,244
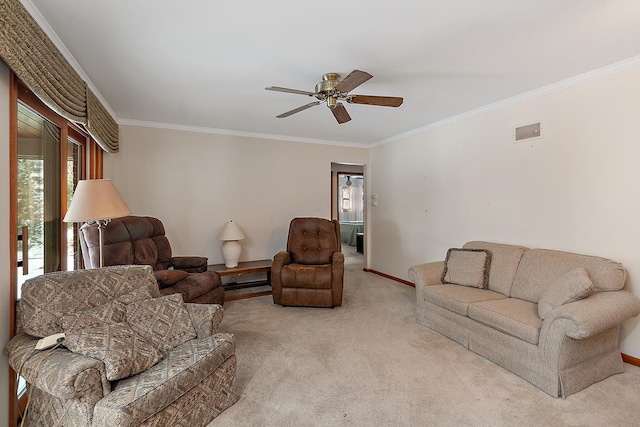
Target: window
49,155
49,165
350,197
346,199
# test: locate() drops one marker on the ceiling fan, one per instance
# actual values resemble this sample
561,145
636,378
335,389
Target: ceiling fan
332,90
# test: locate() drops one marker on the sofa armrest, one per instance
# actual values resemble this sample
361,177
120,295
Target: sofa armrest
61,373
595,314
205,317
427,274
191,264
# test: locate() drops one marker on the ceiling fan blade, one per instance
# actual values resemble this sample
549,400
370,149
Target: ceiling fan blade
384,101
340,113
284,89
297,110
352,81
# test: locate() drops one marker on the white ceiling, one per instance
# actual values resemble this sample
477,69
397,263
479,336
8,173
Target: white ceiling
205,64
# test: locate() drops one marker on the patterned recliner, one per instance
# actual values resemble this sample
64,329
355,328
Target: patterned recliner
141,240
194,382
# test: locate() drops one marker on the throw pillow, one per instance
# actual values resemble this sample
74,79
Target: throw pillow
170,277
467,267
123,352
110,313
163,321
572,286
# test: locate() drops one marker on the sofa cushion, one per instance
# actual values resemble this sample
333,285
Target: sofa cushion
145,252
47,298
169,277
467,267
504,263
135,399
110,313
540,267
163,321
312,242
306,276
194,286
123,352
457,298
572,286
512,316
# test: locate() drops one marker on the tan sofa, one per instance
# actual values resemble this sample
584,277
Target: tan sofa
551,317
174,370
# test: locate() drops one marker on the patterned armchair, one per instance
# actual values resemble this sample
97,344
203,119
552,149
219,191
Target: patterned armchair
311,271
138,358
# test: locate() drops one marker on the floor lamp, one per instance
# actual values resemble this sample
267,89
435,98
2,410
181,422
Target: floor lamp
96,201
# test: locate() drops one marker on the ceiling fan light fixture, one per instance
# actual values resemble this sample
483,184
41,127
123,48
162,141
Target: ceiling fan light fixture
331,89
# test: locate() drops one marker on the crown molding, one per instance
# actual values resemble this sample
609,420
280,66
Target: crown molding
526,96
230,132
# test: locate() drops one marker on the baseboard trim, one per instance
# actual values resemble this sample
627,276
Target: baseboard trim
630,360
404,282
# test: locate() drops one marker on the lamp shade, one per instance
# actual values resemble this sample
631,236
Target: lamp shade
96,199
231,231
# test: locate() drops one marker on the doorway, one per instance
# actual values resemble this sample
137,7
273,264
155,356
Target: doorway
349,208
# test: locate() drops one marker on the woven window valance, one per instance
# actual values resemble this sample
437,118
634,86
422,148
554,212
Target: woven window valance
33,57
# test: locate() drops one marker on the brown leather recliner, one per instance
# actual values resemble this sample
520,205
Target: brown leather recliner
141,240
311,271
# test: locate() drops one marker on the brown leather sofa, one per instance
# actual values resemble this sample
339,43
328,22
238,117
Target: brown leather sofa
311,271
141,240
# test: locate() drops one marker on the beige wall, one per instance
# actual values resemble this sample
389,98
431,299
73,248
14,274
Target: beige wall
576,189
195,182
5,243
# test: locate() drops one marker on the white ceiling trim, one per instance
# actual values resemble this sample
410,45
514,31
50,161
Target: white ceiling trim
536,93
217,131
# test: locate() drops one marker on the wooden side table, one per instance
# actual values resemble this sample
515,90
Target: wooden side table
245,267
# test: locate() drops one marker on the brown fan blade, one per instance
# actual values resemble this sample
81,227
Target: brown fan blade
352,81
383,101
284,89
297,110
340,113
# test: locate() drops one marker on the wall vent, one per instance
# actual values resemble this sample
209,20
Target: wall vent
527,132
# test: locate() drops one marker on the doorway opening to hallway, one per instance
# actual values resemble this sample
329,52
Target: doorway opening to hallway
348,206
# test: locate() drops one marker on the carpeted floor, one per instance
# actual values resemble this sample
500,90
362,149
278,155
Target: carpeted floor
368,363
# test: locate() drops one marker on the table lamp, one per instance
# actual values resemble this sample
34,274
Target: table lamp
96,201
231,249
